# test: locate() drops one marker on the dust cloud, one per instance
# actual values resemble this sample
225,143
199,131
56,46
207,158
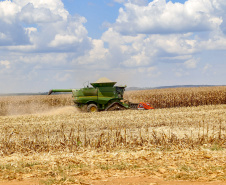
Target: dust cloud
62,110
36,104
37,108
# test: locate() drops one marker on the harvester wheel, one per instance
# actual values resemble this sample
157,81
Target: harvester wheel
92,108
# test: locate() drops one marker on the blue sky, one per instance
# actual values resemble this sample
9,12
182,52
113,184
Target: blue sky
63,43
91,11
97,13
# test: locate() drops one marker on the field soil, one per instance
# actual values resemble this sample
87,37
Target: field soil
124,181
61,145
150,181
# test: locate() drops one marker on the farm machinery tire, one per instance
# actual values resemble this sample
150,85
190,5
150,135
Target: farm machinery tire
92,108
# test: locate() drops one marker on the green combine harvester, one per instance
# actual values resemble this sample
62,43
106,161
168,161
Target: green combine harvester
103,95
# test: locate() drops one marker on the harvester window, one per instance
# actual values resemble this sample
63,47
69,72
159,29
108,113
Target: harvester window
120,91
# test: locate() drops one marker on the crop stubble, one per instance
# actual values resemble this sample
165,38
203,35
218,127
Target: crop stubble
65,144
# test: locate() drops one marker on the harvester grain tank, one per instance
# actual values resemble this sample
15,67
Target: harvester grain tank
103,95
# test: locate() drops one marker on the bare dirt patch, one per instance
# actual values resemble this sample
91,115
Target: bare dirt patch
150,181
24,182
122,181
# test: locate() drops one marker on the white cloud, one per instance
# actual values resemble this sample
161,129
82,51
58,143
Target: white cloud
149,71
129,51
138,2
179,72
8,10
161,17
29,30
96,56
41,26
188,29
12,34
144,50
5,64
40,39
31,15
181,44
61,77
157,40
140,59
120,1
216,41
191,64
56,7
63,40
180,57
2,36
207,67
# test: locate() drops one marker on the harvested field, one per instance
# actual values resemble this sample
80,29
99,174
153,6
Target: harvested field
65,146
66,129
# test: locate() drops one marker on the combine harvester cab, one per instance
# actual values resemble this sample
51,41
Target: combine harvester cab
103,95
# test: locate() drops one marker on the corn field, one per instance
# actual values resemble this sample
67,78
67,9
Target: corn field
158,98
179,97
46,138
